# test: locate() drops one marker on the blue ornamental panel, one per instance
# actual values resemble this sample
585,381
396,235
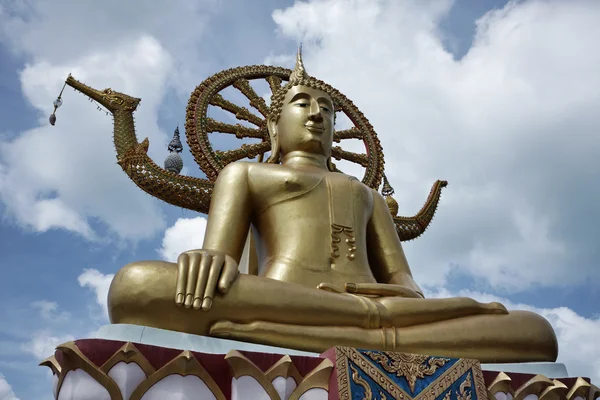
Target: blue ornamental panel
378,375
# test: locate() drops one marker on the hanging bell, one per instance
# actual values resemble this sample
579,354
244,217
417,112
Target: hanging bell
57,103
387,191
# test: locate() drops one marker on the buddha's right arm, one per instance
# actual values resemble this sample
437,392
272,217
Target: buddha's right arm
229,213
200,272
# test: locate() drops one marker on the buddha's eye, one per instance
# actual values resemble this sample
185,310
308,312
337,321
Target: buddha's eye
302,104
325,109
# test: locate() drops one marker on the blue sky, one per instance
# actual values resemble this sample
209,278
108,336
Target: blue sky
498,98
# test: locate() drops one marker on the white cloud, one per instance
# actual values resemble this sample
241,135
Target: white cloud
43,344
512,126
26,27
579,348
50,311
99,283
65,177
186,234
6,392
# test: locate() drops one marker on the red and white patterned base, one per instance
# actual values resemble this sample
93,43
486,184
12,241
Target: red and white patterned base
102,369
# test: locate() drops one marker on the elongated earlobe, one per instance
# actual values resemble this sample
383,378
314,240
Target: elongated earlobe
272,128
330,164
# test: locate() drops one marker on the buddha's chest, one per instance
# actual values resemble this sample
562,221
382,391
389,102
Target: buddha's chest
342,199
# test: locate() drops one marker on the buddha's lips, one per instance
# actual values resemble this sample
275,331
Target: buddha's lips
314,128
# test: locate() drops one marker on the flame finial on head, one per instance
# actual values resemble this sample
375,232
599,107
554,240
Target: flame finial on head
299,72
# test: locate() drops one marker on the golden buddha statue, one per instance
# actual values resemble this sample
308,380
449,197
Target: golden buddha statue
333,268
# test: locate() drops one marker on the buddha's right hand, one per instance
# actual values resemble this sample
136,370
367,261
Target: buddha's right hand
199,274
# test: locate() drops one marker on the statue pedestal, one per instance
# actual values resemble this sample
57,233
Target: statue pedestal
128,362
185,341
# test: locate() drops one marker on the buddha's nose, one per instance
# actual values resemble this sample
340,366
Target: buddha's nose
315,112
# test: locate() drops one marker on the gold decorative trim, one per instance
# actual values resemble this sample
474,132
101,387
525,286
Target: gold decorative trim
285,368
594,392
409,366
462,393
74,359
242,366
544,388
383,380
184,364
341,365
51,363
580,389
480,390
127,354
500,384
435,388
362,383
453,374
558,391
535,385
317,378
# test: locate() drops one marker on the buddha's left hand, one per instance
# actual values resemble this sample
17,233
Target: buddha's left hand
382,289
372,289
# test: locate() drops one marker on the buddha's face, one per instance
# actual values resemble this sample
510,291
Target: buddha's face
306,121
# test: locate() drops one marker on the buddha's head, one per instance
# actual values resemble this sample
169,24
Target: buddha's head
302,116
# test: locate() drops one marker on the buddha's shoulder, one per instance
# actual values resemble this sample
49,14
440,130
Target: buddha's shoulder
356,183
249,169
257,168
255,172
270,172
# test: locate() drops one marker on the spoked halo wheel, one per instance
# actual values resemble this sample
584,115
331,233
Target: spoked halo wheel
199,126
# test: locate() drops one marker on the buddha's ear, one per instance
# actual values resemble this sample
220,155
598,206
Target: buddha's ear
330,164
272,128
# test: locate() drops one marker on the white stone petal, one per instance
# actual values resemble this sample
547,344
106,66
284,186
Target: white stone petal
177,387
127,376
246,387
315,394
500,396
54,384
291,385
79,385
279,383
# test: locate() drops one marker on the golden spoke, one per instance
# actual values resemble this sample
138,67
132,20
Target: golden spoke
351,133
361,159
245,151
240,112
243,85
238,130
274,83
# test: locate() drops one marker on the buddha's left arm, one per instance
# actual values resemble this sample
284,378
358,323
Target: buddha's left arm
386,255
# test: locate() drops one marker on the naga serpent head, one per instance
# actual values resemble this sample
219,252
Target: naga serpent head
110,99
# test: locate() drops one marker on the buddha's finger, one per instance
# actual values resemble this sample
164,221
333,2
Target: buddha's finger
193,267
379,289
495,308
203,272
228,274
328,287
182,263
213,276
